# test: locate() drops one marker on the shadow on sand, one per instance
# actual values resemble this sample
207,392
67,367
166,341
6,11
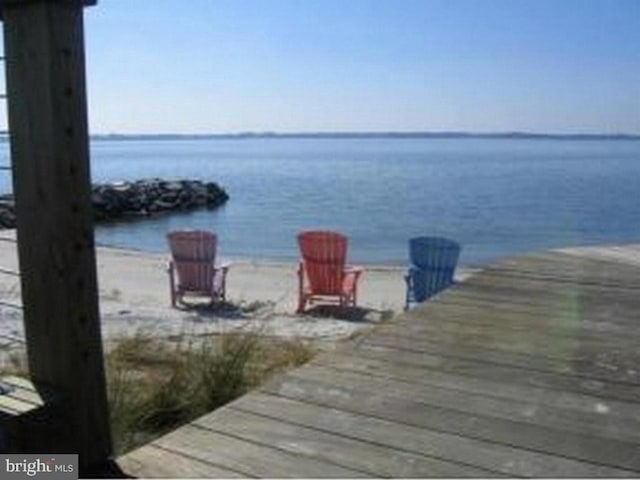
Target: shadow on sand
232,311
225,310
351,314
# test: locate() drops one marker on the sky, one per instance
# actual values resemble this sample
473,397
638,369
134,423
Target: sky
229,66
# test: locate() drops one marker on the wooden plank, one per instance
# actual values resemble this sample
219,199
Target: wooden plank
614,354
15,406
605,283
553,323
503,374
374,459
23,390
560,322
540,294
47,113
603,422
537,291
405,372
540,330
408,411
252,459
504,459
628,254
155,462
18,382
596,319
403,348
530,299
561,268
5,3
552,258
27,396
582,363
545,287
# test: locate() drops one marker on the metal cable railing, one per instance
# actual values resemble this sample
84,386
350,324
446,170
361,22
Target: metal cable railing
3,270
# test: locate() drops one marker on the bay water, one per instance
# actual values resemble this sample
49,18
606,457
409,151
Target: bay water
497,197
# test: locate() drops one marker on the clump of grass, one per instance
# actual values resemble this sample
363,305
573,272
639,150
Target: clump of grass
155,386
125,396
228,371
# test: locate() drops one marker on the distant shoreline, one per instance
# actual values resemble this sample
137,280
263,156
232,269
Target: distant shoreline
367,135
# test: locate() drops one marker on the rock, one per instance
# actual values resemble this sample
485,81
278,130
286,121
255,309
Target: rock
138,199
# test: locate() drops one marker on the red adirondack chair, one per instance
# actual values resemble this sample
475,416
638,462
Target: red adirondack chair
193,263
323,267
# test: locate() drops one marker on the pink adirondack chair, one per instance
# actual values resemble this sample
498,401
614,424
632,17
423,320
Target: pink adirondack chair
192,270
323,267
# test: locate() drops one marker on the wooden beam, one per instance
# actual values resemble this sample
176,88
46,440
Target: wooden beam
4,3
47,108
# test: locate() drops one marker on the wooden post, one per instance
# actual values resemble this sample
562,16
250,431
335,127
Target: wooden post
44,50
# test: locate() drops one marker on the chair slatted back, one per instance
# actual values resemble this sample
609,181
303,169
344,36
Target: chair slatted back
434,260
194,255
324,255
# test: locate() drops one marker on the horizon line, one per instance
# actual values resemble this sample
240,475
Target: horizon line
372,134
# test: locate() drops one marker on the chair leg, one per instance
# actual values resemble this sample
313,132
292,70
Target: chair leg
172,285
222,294
302,300
301,303
407,279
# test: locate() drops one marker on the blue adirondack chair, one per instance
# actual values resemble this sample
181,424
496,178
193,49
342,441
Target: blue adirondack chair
432,262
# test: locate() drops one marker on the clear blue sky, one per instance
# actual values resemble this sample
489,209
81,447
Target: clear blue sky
223,66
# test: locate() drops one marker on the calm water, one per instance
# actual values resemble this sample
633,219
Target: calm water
496,197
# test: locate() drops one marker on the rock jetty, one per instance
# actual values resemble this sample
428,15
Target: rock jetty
140,198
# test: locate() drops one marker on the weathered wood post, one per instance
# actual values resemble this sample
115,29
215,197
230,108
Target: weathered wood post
44,50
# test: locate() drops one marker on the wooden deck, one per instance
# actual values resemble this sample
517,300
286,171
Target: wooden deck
530,368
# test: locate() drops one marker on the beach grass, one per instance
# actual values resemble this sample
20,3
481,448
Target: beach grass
154,386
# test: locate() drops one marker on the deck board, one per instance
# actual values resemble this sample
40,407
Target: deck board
589,421
248,456
529,368
21,398
364,456
493,457
468,421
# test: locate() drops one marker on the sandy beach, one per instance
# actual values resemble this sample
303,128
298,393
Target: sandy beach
262,295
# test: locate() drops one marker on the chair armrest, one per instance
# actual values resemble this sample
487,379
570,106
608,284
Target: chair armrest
413,268
352,274
224,266
350,279
357,269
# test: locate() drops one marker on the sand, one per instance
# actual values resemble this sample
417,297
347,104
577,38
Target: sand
262,295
